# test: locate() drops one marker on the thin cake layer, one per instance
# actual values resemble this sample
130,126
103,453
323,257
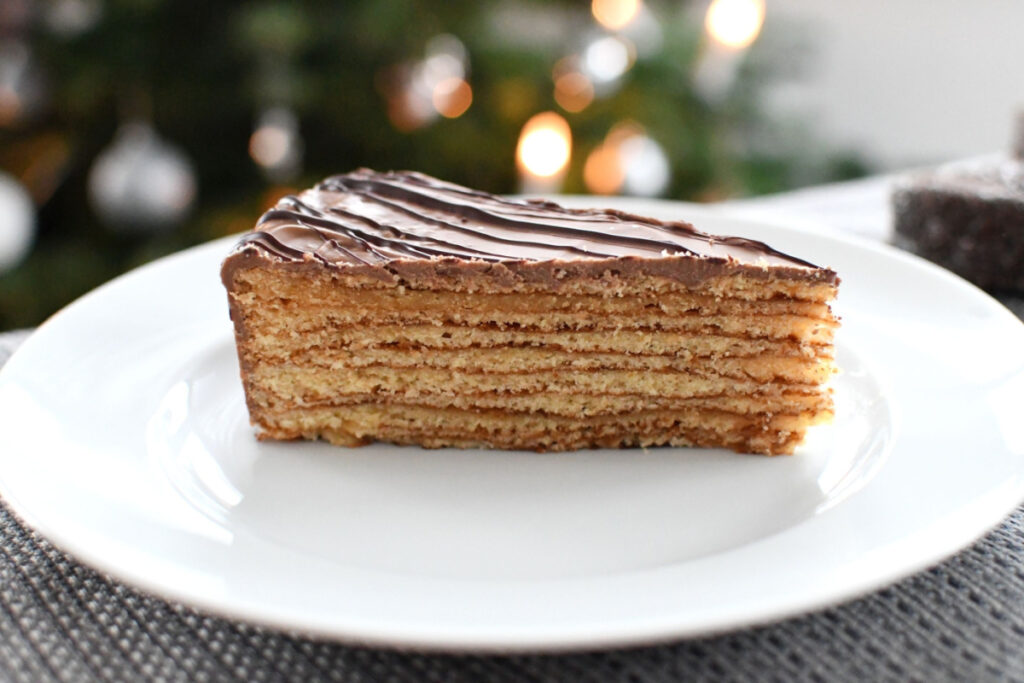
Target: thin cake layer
401,308
434,428
627,341
342,363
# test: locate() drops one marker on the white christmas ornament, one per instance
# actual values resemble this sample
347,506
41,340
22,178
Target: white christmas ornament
141,183
17,222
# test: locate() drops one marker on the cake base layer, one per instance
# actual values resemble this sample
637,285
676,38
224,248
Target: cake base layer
441,427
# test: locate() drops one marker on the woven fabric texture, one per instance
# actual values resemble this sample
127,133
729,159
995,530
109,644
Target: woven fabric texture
960,621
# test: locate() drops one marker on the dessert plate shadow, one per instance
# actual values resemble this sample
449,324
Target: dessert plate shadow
127,444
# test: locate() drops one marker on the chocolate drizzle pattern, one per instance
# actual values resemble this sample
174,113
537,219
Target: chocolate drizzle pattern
373,218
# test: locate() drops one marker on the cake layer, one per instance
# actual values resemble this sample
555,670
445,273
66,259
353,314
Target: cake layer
338,365
774,327
280,289
609,277
569,405
279,341
434,428
314,384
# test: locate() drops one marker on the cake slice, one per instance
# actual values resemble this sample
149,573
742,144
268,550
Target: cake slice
397,307
968,216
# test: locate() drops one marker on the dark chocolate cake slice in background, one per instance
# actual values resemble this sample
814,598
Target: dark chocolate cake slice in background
968,217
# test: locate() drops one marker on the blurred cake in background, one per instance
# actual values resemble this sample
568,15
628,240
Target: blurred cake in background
968,216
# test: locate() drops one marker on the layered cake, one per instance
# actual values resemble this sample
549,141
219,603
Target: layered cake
396,307
968,216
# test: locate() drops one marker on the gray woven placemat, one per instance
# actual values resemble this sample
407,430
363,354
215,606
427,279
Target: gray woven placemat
960,621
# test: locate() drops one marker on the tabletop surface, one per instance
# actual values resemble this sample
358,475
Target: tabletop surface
960,620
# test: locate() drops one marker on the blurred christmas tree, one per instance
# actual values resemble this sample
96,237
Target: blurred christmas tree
138,127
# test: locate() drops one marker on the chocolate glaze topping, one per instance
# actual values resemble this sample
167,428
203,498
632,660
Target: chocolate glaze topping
366,218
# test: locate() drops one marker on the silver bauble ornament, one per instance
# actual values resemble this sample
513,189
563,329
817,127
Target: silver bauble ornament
141,183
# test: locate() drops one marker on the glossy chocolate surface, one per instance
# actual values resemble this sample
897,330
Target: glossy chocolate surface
366,218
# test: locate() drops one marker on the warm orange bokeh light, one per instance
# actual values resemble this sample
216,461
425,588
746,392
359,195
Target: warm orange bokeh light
735,23
627,161
615,14
573,91
545,145
452,97
602,173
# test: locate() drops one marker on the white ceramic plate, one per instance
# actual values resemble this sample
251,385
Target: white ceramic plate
126,442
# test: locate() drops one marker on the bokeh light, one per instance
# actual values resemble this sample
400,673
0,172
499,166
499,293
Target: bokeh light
615,14
645,166
608,58
452,97
627,161
545,145
573,90
275,144
419,91
735,23
602,171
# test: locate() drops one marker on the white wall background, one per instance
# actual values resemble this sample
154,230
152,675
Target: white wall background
907,81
